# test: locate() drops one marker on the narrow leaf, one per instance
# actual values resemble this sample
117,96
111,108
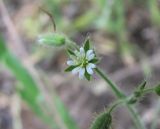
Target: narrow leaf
2,46
70,68
88,76
64,113
87,44
70,52
95,60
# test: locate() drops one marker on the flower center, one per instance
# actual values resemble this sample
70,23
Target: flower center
84,62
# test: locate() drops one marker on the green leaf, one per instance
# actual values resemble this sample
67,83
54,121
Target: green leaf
88,76
70,68
64,113
2,47
28,91
142,85
87,44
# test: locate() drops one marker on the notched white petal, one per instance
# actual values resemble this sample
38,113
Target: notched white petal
81,73
75,70
92,65
90,57
89,52
89,70
81,52
70,62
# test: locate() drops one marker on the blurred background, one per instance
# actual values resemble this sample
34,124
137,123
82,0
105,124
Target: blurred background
36,93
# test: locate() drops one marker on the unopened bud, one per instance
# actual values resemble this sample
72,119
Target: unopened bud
52,39
103,121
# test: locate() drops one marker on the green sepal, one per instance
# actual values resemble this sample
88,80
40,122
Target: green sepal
88,76
70,52
157,89
95,60
87,44
70,68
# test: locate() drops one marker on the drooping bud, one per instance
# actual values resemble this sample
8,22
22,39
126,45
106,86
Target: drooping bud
52,39
157,89
103,121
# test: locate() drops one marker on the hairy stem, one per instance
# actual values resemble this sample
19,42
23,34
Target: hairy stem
115,105
139,124
114,88
120,95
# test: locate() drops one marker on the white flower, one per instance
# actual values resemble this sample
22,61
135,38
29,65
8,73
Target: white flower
82,62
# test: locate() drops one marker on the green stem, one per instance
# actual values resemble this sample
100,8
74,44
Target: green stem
114,88
121,95
115,105
156,116
135,117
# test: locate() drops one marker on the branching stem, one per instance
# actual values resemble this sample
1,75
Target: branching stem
120,95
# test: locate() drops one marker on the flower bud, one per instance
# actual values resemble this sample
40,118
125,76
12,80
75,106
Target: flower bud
52,39
157,90
103,121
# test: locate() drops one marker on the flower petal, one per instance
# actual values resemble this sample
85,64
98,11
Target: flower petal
90,67
90,57
81,73
89,52
70,62
76,70
89,70
81,52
